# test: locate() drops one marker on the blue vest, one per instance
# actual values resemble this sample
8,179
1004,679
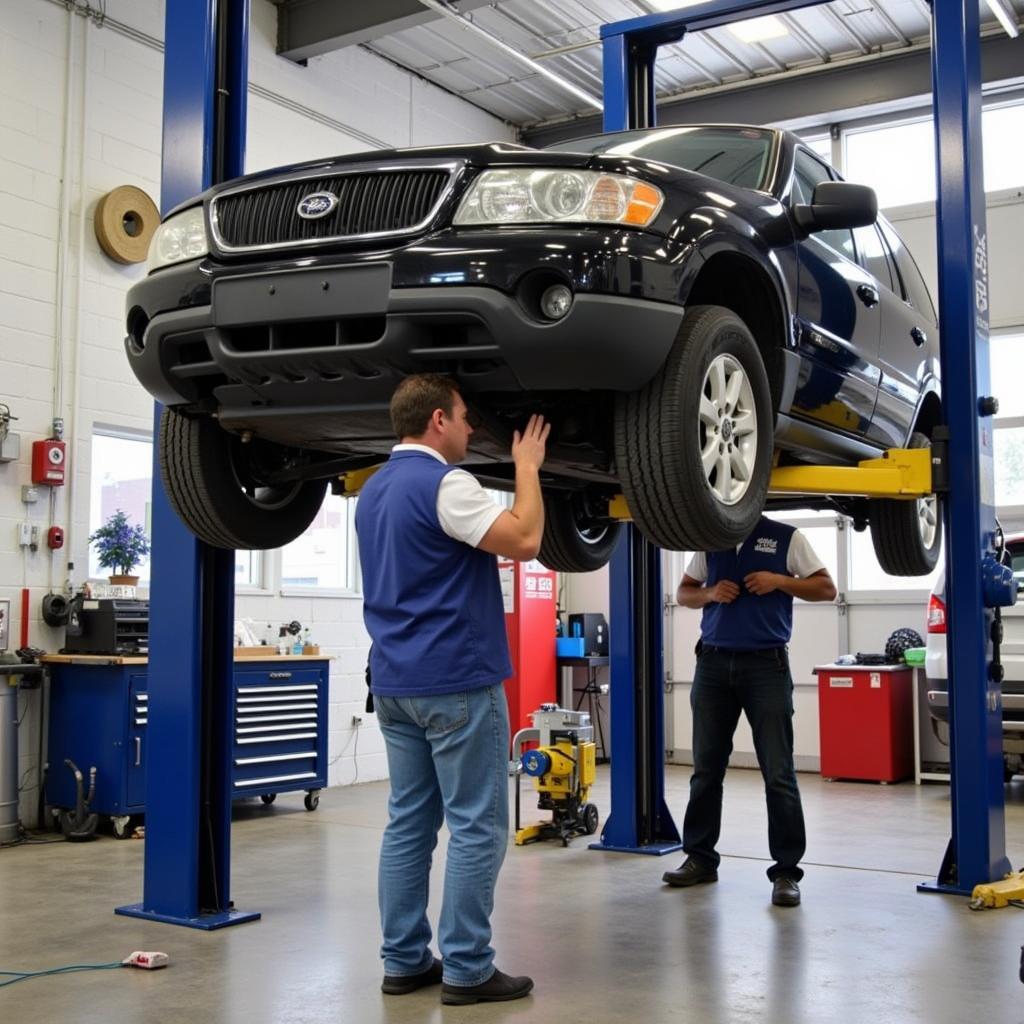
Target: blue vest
432,605
751,622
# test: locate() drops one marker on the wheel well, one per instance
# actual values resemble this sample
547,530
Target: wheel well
756,303
929,415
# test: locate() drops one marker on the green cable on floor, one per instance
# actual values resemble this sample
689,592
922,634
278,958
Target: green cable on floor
15,976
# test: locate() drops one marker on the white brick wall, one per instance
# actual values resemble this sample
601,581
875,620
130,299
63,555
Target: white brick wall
116,116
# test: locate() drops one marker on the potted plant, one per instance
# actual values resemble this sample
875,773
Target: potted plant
121,547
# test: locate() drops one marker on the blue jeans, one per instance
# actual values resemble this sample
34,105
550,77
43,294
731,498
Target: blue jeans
757,683
448,760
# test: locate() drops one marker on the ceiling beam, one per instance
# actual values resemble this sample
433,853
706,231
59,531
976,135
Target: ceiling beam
859,82
309,28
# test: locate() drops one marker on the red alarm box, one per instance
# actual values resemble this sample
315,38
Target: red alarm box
48,462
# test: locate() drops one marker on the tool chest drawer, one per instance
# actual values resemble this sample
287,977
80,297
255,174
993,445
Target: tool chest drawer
280,729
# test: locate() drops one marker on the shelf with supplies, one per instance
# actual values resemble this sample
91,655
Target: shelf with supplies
99,714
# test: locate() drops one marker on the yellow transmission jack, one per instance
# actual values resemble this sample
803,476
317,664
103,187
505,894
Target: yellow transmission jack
563,767
993,895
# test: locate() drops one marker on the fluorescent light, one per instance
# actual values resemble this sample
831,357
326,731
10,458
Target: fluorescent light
1006,18
673,5
756,30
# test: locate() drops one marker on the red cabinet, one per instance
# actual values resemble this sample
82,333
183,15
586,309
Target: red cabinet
866,719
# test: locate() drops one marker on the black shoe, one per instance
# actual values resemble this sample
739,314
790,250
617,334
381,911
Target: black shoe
403,984
498,988
690,872
785,892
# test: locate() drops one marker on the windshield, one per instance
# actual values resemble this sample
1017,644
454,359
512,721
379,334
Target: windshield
739,156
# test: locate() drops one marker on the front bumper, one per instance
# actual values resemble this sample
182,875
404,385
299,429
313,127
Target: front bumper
344,329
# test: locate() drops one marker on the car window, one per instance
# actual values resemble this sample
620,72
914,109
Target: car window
809,172
872,256
738,156
916,291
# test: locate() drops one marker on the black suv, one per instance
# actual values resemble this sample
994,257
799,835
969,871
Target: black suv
689,306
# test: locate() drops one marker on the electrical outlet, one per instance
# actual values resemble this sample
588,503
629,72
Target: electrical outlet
356,720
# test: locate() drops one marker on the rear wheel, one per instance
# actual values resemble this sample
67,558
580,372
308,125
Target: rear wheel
693,448
575,538
907,535
218,486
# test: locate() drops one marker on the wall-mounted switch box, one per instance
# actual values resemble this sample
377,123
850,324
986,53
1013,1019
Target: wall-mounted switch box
10,448
24,535
5,622
29,494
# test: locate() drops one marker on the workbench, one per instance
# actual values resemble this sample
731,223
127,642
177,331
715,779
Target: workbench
99,711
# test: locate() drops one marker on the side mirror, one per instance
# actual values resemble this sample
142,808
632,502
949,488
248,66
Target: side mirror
838,204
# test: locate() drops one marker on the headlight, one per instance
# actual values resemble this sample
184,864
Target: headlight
180,238
537,196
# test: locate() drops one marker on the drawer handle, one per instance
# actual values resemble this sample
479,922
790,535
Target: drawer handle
279,675
138,751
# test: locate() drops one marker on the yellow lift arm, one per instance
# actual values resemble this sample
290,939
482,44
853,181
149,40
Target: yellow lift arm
904,473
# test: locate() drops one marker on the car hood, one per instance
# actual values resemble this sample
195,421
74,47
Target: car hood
495,154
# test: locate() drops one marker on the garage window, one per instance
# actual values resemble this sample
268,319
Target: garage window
1007,364
898,160
121,477
324,560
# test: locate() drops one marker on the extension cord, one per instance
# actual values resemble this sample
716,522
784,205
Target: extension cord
150,961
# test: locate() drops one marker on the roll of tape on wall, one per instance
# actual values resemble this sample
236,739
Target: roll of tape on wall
125,221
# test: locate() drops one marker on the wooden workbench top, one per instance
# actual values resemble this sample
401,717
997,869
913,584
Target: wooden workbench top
125,659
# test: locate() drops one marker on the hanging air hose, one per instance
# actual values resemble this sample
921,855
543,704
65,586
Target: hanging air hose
80,824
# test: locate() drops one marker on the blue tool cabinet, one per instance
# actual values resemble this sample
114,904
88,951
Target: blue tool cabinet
99,714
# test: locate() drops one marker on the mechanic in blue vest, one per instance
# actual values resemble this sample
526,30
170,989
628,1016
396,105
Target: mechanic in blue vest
428,536
742,665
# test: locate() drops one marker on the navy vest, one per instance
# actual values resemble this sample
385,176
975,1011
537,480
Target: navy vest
751,622
432,605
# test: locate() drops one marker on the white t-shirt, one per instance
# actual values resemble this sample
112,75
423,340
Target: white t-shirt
801,561
464,509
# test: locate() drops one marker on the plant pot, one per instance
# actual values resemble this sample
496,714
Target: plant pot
123,581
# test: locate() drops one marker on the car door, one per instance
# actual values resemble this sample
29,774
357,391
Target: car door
838,320
909,336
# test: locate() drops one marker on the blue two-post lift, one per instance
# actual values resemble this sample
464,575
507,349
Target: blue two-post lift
188,799
639,821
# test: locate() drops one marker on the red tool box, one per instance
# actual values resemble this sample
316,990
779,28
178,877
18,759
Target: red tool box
866,719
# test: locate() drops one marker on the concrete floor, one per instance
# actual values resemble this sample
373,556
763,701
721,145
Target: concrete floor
602,937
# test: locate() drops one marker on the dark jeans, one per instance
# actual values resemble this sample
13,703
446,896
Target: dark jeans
757,683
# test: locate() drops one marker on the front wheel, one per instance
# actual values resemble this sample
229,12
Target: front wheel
575,538
907,535
693,448
219,487
312,800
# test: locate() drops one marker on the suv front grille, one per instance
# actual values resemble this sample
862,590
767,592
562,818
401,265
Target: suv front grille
369,203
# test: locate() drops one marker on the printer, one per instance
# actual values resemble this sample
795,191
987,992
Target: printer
106,625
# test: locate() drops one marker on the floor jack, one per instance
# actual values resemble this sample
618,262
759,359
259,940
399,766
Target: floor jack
563,768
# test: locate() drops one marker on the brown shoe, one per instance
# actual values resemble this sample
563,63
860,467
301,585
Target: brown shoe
403,984
785,892
498,988
690,872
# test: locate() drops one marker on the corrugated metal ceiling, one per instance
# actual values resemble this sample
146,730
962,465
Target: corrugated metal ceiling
564,37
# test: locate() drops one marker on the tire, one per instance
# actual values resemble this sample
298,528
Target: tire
591,817
312,800
663,432
907,535
572,542
212,481
268,798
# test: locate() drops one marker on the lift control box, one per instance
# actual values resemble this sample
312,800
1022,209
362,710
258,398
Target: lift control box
48,462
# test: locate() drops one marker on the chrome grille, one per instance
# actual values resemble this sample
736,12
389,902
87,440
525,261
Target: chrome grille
378,202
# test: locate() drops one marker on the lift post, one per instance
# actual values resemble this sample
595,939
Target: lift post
975,582
188,787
